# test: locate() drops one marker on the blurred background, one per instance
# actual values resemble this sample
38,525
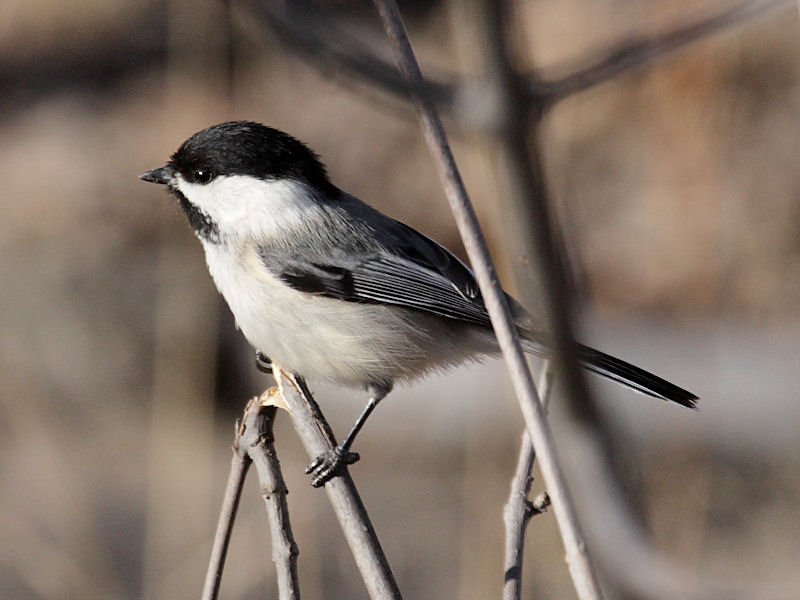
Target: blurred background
121,373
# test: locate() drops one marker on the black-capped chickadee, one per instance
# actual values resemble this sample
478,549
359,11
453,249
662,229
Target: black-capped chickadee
327,286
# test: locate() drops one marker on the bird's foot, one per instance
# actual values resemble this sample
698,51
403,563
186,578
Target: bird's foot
330,464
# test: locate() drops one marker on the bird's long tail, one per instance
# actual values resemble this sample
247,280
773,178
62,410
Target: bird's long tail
534,340
633,377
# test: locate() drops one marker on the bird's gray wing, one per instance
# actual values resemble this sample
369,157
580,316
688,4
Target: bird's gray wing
409,270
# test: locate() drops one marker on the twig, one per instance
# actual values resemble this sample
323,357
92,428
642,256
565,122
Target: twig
317,437
516,514
639,51
583,576
637,565
230,503
253,444
518,510
257,441
326,44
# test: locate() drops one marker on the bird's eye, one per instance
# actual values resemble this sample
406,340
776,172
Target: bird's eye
203,176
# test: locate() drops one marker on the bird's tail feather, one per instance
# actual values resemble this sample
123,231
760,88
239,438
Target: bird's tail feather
633,377
538,343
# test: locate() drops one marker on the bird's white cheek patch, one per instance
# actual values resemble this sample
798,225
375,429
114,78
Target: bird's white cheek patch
247,206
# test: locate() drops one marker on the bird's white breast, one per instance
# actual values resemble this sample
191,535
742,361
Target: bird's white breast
318,336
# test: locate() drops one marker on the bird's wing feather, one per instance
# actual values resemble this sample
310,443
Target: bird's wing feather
410,270
386,279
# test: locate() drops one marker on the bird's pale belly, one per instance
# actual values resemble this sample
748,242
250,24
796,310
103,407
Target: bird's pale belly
321,337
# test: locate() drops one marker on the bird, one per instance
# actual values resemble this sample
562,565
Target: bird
328,287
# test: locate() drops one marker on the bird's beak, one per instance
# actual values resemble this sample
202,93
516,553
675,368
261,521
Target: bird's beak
163,175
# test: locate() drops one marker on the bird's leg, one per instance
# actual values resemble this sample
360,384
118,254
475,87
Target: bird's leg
376,396
328,464
263,362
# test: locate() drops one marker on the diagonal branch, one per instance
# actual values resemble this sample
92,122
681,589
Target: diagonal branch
325,43
328,45
640,568
640,51
317,437
583,575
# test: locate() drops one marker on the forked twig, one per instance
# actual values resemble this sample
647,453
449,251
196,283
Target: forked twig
328,45
253,444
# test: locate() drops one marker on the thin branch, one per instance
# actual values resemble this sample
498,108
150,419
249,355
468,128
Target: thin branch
631,560
230,504
325,43
317,437
518,510
640,51
583,576
617,536
516,514
518,147
256,440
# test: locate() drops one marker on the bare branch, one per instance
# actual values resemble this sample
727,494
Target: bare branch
257,441
324,42
253,443
516,515
617,536
475,244
230,503
317,437
629,556
639,51
518,510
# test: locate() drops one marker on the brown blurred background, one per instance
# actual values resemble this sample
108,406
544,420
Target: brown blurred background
121,373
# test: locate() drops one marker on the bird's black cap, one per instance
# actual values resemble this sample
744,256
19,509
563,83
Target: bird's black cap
245,148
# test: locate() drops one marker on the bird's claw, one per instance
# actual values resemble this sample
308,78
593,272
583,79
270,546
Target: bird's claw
330,464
